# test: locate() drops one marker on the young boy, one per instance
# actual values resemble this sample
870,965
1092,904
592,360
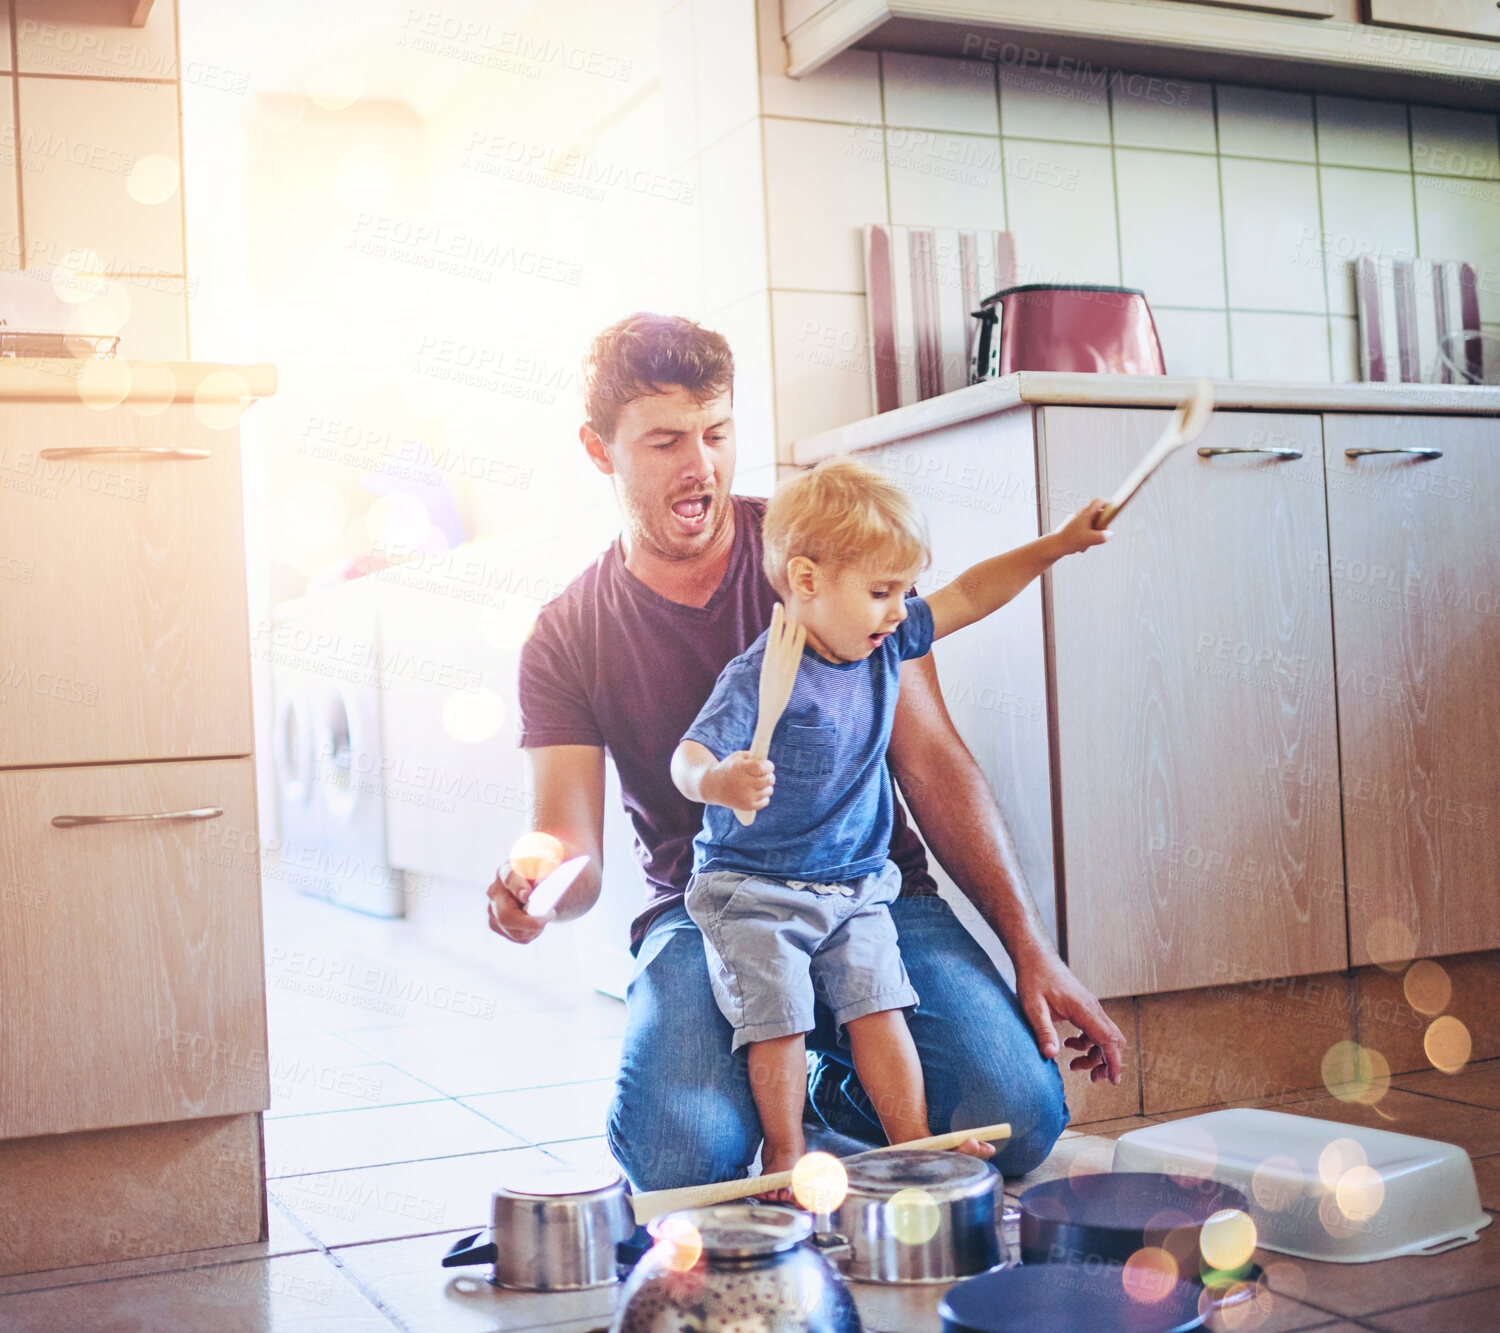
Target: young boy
793,906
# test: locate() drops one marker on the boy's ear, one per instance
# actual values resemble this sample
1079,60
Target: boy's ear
802,575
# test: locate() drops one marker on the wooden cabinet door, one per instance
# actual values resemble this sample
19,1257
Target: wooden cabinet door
1472,18
131,971
1415,564
1196,772
123,625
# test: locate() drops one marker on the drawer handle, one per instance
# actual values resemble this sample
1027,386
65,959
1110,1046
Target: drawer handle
123,450
76,821
1215,450
1418,453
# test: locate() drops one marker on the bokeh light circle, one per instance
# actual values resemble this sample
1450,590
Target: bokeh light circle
1448,1044
335,86
1277,1184
473,716
1338,1156
1428,987
1149,1275
1228,1239
535,854
221,399
153,385
678,1243
913,1216
819,1182
1359,1193
1355,1073
1389,943
153,179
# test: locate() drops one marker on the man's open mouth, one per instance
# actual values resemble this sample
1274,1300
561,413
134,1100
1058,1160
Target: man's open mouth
692,510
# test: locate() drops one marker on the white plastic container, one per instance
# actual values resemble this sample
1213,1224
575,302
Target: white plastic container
1319,1189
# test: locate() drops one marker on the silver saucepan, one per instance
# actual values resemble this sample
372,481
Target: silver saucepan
918,1216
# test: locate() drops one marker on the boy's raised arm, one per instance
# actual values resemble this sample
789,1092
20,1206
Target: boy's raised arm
984,588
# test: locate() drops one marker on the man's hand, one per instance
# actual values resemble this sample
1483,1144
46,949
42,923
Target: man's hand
740,782
1049,993
1079,532
508,915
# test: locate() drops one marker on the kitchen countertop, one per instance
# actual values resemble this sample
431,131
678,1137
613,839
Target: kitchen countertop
105,382
1052,387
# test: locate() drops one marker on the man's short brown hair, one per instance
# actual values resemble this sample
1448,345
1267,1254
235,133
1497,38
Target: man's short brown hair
647,354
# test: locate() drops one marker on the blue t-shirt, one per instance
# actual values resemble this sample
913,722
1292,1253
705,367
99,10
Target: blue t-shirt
831,811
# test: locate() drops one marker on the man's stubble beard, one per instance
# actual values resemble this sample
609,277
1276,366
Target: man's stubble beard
659,540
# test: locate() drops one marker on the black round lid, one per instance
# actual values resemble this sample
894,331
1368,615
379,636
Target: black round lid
1065,1298
1130,1201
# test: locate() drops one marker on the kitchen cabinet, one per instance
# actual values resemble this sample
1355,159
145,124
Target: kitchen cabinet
1192,661
1279,667
1415,572
131,966
1303,45
123,620
1471,18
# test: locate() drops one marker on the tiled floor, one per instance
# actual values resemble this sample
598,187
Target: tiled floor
414,1065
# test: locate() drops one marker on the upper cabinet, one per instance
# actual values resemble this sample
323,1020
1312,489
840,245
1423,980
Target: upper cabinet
124,632
1415,569
1471,18
1308,45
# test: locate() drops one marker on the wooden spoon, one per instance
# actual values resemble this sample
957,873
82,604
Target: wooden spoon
1187,424
656,1202
778,673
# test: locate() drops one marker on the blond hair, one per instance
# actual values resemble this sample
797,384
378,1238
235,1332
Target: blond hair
846,514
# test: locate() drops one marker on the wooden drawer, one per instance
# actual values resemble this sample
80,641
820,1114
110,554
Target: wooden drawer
1471,18
1193,671
123,625
131,967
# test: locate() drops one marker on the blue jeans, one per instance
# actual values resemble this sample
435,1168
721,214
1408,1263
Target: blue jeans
683,1113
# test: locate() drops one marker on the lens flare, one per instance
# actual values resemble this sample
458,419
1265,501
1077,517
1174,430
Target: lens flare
1355,1073
1149,1275
104,384
819,1182
1339,1156
473,716
1428,987
1277,1184
1448,1044
153,179
1359,1193
535,854
154,385
678,1243
1195,1157
1228,1239
509,626
913,1216
221,399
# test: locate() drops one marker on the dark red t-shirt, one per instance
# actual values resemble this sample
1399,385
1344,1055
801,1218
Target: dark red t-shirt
615,664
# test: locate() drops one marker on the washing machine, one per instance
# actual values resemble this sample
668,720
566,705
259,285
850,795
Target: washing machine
330,761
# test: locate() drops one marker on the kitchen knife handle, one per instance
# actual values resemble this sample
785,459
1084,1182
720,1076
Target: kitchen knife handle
77,821
123,450
1214,450
1415,452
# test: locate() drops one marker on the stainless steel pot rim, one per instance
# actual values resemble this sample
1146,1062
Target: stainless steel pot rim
942,1280
560,1181
739,1231
942,1176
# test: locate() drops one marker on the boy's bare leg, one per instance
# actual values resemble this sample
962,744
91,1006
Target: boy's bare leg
885,1058
778,1082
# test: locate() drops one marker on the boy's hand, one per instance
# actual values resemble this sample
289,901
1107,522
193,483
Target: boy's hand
1079,532
740,782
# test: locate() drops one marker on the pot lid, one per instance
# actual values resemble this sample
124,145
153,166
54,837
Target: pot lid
1068,1298
1129,1201
738,1231
943,1175
553,1181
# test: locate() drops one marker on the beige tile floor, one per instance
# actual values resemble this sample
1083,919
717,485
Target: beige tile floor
415,1064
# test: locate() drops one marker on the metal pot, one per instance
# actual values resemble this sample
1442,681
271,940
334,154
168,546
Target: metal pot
552,1229
734,1266
919,1216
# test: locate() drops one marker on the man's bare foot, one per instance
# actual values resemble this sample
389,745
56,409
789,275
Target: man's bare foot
974,1148
772,1161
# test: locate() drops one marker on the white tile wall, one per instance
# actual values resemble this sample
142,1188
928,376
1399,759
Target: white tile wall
679,83
747,326
1271,229
10,234
90,37
945,180
1172,185
823,183
728,80
1061,199
734,217
1170,238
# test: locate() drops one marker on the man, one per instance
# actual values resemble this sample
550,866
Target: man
622,660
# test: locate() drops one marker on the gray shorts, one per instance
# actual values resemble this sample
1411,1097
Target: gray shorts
775,945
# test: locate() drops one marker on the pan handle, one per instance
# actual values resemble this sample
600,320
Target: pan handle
463,1251
1215,450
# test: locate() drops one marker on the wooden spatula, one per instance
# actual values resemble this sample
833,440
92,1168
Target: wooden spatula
1187,423
656,1202
778,673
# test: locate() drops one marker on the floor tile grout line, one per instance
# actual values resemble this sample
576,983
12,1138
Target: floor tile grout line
405,1161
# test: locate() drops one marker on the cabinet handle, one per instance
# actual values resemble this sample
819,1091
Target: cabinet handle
76,821
1214,450
124,450
1419,453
